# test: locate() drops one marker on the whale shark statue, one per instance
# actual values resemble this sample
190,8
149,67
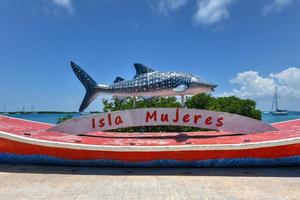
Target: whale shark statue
147,83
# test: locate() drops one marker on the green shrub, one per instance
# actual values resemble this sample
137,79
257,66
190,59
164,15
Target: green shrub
232,104
64,118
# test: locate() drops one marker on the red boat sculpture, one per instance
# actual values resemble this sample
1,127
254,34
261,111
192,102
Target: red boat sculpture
23,141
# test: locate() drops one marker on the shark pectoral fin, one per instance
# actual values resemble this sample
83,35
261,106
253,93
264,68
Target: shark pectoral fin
180,88
146,97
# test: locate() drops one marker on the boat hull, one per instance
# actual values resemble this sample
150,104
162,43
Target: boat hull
23,141
279,113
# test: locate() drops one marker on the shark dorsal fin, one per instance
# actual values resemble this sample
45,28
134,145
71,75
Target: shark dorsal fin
118,79
141,69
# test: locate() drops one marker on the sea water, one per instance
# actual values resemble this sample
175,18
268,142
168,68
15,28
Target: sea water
53,118
46,118
269,118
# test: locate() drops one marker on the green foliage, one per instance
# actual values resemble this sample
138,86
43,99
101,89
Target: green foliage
232,104
64,118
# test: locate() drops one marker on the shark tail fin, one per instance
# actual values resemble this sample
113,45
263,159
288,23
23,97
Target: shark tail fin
88,82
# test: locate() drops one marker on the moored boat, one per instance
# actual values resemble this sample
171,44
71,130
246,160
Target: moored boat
275,110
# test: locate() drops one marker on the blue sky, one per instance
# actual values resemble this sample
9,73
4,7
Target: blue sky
246,47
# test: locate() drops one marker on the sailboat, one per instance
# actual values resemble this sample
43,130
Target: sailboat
275,110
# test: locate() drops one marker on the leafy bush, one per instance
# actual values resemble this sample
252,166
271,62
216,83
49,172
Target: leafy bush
232,104
64,118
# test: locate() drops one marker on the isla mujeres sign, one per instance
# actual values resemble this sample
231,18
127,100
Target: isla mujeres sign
163,116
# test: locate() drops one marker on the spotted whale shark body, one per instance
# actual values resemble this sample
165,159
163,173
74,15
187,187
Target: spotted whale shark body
147,83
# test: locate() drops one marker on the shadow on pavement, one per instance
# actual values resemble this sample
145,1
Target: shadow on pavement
118,171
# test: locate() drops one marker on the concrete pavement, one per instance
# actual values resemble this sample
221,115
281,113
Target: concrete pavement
58,182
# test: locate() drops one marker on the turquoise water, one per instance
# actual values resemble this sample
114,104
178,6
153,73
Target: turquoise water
267,117
47,118
52,118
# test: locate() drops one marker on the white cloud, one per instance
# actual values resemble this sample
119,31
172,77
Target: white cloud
212,11
289,81
252,85
276,5
165,6
66,4
58,7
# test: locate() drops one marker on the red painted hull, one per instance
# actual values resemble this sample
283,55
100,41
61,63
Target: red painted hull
25,138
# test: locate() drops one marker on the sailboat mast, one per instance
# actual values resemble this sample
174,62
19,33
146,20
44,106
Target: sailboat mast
277,111
273,102
276,98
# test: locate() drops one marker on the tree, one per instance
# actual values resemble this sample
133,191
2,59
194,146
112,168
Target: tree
64,118
232,104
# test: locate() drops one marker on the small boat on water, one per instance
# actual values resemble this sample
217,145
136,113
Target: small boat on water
275,110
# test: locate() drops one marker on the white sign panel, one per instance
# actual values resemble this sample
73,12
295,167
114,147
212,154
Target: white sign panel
220,121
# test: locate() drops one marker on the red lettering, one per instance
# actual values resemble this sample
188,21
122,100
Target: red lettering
197,118
109,119
220,121
118,120
177,116
164,117
150,116
208,121
186,118
101,123
93,123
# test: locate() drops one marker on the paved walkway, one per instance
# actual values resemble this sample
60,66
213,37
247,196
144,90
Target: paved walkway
54,182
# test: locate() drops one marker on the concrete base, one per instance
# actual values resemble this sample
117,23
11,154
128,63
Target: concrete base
58,182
